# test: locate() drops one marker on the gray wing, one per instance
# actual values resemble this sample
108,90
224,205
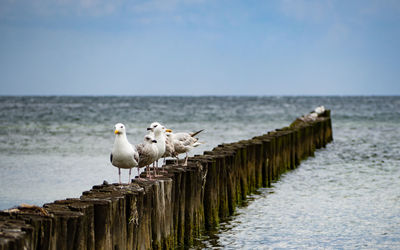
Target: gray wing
181,146
181,136
136,156
186,140
169,148
135,153
144,156
139,148
190,141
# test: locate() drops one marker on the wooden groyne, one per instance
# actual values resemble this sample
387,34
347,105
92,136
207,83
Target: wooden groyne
170,211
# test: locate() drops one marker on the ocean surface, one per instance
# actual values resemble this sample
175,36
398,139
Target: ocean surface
347,196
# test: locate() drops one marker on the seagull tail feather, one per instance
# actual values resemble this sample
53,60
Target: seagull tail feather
196,133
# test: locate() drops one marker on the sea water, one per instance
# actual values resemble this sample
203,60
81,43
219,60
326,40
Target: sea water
347,196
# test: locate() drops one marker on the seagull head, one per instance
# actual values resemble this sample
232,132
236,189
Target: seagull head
155,126
119,129
168,133
149,139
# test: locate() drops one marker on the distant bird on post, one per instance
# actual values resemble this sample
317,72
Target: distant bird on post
319,110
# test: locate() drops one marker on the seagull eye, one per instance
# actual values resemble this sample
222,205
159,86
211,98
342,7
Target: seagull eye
122,126
155,126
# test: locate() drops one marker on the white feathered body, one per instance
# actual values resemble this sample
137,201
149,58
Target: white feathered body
123,154
160,137
319,110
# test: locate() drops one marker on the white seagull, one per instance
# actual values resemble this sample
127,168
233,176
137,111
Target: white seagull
159,134
123,154
319,110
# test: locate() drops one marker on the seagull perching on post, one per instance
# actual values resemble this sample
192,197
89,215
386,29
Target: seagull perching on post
158,131
183,142
148,152
123,154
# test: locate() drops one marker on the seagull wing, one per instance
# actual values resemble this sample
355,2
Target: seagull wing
136,155
184,142
169,148
180,147
145,157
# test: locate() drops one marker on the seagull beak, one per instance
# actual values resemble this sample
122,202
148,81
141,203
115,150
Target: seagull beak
168,130
154,141
116,131
149,129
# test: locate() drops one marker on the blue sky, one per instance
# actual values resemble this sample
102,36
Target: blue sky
199,47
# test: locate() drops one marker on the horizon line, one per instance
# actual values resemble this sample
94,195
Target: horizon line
205,95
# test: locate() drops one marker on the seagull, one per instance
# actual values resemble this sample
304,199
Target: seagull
184,142
313,116
148,152
123,154
319,110
159,134
310,117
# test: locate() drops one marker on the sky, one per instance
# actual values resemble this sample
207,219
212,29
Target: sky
199,47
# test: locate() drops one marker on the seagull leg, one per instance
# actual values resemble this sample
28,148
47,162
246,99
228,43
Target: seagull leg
163,166
186,159
119,174
158,168
177,161
155,169
147,171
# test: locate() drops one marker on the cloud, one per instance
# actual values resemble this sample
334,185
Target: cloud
50,13
99,7
377,8
164,5
12,9
91,7
155,6
307,10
